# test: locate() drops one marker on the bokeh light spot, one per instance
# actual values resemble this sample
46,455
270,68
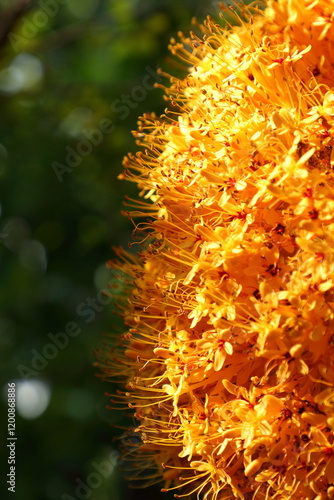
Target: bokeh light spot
32,398
33,256
24,74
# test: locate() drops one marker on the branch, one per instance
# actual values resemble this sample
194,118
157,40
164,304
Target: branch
9,17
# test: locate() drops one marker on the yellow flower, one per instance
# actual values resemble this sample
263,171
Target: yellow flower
228,362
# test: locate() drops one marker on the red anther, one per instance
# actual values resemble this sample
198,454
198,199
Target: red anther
286,413
308,193
224,275
313,214
230,181
221,343
328,452
279,229
319,256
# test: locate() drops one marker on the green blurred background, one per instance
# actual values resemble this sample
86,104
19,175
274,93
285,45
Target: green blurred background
63,65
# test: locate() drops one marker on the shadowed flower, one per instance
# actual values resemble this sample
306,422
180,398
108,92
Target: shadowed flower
229,357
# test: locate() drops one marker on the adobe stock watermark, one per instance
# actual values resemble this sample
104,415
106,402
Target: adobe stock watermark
100,472
88,310
94,137
31,25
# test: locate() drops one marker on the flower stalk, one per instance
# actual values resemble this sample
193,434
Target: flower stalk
228,361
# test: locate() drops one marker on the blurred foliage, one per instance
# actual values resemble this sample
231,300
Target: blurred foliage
63,64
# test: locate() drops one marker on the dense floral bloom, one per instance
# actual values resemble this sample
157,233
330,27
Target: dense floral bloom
229,357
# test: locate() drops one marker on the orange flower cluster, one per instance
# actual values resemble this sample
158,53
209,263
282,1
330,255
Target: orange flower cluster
229,357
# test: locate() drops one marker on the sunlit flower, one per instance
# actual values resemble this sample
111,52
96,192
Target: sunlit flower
228,362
